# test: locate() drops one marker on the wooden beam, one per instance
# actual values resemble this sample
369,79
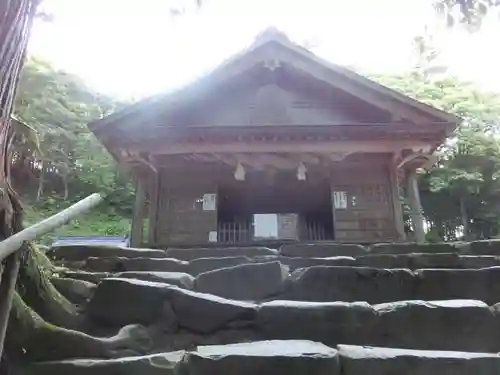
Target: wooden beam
154,192
396,201
331,147
137,227
416,213
278,161
253,161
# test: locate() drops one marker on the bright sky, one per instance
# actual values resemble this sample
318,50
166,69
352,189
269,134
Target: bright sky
136,47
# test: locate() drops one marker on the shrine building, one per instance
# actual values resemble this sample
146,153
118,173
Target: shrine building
275,144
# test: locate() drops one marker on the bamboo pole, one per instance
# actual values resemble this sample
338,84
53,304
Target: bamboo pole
14,242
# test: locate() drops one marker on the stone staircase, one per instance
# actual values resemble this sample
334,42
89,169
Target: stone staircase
401,309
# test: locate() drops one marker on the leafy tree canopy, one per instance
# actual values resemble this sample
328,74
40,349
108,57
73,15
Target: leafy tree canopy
69,163
468,12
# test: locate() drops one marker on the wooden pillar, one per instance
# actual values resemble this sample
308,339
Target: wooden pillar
136,233
416,212
154,201
396,203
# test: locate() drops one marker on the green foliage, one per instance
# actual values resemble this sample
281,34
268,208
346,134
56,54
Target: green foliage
461,196
467,12
65,162
97,222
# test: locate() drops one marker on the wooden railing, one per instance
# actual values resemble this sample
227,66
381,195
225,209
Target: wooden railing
10,253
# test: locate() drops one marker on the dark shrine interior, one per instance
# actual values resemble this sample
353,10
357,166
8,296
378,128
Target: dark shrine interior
281,193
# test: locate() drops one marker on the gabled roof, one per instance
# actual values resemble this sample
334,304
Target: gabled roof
236,64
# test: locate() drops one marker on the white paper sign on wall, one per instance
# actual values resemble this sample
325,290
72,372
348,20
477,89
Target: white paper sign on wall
212,236
340,200
209,202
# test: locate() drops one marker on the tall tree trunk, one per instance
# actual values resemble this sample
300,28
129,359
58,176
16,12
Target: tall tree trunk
27,328
16,20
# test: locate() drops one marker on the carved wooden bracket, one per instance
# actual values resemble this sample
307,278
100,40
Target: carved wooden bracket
137,158
272,64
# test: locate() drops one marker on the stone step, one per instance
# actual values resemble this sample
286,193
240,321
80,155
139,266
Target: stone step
483,247
122,264
179,279
271,280
82,252
76,291
200,265
249,282
358,360
322,250
323,284
279,357
155,364
468,325
428,248
219,252
296,250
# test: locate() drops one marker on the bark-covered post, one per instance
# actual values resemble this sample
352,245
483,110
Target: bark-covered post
137,227
16,21
396,202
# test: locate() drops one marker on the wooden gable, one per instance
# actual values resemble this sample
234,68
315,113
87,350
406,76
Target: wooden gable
275,82
260,98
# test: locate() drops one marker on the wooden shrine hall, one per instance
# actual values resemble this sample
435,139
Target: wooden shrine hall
275,143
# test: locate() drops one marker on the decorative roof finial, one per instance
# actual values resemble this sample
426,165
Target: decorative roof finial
270,34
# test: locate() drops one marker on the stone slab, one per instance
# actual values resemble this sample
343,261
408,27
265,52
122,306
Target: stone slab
118,302
206,313
358,360
92,277
155,364
409,248
180,279
246,282
440,284
465,325
293,357
479,261
433,325
330,323
483,247
200,265
350,284
301,262
122,264
195,253
322,250
411,261
81,252
76,291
